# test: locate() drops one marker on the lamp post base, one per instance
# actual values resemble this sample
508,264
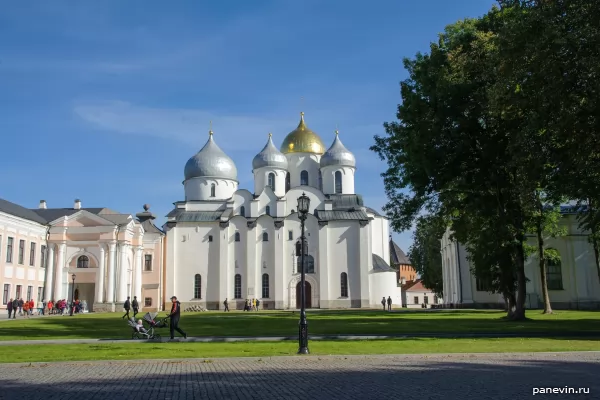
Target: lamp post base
303,350
303,335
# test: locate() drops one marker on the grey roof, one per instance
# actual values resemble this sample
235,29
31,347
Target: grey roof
337,215
373,211
150,227
397,255
117,219
345,201
338,154
51,214
379,265
21,212
210,162
269,156
194,216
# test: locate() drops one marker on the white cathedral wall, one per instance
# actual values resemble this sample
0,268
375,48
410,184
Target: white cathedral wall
261,180
383,284
328,174
265,256
242,198
380,233
200,189
297,162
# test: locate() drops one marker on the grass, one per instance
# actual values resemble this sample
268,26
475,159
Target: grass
285,323
139,351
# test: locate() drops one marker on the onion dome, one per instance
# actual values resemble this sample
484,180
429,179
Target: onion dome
302,140
338,155
210,162
269,156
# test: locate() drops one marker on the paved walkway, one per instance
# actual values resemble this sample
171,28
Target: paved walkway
448,377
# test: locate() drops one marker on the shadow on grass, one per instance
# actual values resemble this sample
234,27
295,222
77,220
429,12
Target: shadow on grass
303,378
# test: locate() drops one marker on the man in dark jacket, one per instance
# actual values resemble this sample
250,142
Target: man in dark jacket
127,307
15,307
135,306
174,315
9,308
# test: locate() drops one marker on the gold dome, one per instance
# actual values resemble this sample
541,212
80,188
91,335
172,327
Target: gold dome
302,140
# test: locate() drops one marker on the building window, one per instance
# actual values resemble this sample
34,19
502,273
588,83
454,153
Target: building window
320,181
43,257
147,301
271,181
287,182
19,287
243,211
237,289
210,238
9,249
268,210
554,274
482,285
304,178
40,293
197,286
237,236
265,237
290,235
21,251
265,286
416,300
338,182
147,262
6,293
344,284
426,299
29,292
213,189
31,254
309,263
83,262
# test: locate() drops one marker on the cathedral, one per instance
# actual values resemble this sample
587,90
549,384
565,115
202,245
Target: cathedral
226,242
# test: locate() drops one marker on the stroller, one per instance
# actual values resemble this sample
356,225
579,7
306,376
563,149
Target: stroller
149,331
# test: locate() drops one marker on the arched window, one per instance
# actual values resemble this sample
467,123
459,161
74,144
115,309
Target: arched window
320,181
268,210
265,286
213,189
309,263
237,289
237,236
265,237
243,211
197,286
554,273
304,178
83,262
287,182
271,181
344,284
338,182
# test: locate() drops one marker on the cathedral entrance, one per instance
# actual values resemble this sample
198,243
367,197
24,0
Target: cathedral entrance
307,294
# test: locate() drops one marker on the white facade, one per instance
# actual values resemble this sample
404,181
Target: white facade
243,245
573,283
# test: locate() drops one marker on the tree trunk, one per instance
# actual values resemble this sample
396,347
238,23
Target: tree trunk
594,238
510,305
519,310
542,258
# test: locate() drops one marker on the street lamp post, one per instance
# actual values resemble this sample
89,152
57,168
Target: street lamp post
72,295
303,207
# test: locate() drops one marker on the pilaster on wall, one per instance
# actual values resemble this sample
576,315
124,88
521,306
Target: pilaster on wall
366,264
60,264
323,261
110,284
224,273
50,273
249,272
100,275
277,282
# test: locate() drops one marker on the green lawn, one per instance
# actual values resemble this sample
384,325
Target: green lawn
137,351
284,323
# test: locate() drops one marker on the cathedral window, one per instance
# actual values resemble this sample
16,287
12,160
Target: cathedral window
83,262
554,274
265,237
287,182
309,263
243,211
237,289
268,210
265,286
213,189
272,181
320,181
344,284
210,238
338,182
197,286
304,178
237,236
290,235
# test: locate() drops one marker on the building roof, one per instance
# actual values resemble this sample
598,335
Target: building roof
397,255
210,162
302,140
373,211
269,156
379,265
21,212
195,216
338,154
339,215
415,286
345,201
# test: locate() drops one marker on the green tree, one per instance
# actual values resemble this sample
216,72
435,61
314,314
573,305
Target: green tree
425,252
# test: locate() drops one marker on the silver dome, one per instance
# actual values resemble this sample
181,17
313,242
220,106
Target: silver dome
210,162
338,154
269,156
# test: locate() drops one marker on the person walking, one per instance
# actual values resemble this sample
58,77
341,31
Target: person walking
15,307
20,303
127,307
383,303
9,307
135,305
174,315
389,301
225,304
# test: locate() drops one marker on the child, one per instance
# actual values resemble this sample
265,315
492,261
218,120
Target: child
140,327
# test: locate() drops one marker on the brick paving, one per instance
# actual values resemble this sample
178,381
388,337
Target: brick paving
459,376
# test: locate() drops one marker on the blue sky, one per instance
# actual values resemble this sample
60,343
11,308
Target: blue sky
105,101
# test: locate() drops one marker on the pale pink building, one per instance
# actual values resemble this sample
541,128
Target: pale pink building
111,255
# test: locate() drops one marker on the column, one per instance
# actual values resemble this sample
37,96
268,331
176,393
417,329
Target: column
49,272
277,283
137,279
365,265
100,276
60,264
323,265
123,273
110,287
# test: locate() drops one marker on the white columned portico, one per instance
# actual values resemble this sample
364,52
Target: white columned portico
137,280
123,273
60,264
49,272
100,277
110,287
